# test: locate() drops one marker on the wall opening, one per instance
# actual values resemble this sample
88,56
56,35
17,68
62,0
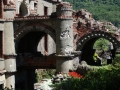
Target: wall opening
98,48
1,44
45,10
1,8
23,10
46,42
28,43
1,86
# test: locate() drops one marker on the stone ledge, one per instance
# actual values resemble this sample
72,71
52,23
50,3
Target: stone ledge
2,71
2,82
2,20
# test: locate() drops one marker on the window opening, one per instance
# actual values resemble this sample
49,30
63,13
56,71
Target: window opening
1,44
45,10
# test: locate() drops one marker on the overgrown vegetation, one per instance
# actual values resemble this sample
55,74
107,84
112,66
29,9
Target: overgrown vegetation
106,10
48,73
37,76
44,73
101,44
101,79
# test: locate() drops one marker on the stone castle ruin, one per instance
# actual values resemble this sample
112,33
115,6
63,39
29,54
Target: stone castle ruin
46,34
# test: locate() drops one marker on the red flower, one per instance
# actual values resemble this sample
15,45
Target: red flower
75,74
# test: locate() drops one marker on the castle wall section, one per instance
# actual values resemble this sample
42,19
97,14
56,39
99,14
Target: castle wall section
41,6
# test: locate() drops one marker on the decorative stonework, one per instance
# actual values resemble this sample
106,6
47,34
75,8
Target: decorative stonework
6,7
33,27
31,18
64,10
65,34
68,49
96,34
9,4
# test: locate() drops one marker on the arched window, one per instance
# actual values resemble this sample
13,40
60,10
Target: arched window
23,9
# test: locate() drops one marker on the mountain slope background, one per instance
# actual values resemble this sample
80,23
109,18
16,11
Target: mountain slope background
104,10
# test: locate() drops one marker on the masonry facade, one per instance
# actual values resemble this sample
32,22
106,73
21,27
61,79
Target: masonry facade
44,34
31,27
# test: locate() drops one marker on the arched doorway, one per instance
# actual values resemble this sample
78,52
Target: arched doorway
29,42
86,43
29,36
32,39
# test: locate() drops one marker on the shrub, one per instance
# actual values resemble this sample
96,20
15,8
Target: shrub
47,73
101,79
37,76
116,61
105,78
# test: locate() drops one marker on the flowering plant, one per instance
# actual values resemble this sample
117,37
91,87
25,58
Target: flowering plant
75,75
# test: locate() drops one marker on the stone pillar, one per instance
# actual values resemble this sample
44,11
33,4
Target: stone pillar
64,37
9,47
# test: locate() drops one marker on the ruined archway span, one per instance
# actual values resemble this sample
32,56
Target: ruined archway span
86,43
95,35
19,33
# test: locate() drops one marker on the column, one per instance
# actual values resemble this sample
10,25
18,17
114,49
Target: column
64,38
9,47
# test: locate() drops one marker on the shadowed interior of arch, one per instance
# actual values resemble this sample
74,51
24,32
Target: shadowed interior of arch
88,51
29,42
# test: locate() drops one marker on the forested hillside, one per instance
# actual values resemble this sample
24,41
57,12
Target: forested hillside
107,10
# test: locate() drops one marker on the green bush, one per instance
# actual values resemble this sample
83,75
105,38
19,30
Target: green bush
70,84
105,78
101,79
37,76
47,73
116,61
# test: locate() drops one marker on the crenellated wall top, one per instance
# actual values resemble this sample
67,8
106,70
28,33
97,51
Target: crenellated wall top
64,6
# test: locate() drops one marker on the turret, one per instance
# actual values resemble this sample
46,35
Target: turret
64,37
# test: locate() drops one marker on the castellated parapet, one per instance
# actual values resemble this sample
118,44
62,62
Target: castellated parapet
64,10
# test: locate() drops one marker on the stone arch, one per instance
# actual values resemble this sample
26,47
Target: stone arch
95,35
86,42
19,33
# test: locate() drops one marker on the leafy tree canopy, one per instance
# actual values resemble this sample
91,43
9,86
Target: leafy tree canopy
101,9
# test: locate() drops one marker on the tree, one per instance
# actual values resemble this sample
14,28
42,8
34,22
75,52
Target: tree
101,9
101,44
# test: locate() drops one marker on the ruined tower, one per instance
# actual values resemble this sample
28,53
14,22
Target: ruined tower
64,37
40,34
